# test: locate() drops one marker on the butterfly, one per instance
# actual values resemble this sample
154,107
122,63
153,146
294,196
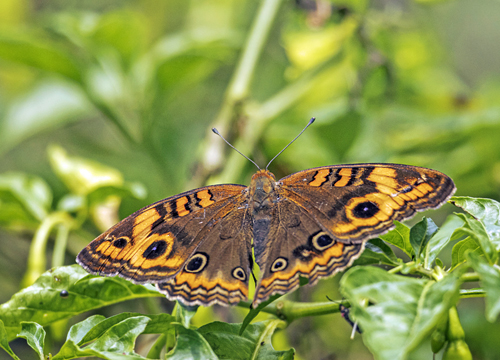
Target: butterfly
197,246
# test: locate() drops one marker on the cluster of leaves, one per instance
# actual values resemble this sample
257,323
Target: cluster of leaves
387,305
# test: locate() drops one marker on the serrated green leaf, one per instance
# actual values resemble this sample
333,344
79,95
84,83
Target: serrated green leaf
377,252
485,210
191,345
254,343
405,310
490,280
460,250
4,342
442,237
400,237
35,337
42,303
476,230
420,234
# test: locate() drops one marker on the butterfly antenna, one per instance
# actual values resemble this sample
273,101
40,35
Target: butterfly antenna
290,143
216,132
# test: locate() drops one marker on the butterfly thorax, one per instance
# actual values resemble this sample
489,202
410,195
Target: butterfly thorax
263,198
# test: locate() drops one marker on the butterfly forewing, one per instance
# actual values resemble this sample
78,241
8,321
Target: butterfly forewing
355,202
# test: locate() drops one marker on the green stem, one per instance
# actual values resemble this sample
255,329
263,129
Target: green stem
239,85
36,257
469,277
60,244
291,310
155,351
472,293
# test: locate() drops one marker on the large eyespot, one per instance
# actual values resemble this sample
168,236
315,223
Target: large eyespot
239,273
365,210
155,250
322,241
279,264
197,263
120,243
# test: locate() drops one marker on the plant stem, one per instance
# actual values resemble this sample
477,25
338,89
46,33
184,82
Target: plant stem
291,310
469,277
472,293
239,86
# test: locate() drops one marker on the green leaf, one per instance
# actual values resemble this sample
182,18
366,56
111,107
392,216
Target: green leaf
377,252
460,250
442,237
405,310
117,342
476,230
490,280
35,336
191,345
184,314
254,312
4,342
420,234
485,210
254,343
42,302
35,51
400,237
158,324
23,197
82,176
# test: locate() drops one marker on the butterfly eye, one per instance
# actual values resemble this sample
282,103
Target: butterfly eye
365,210
279,264
120,243
197,263
155,250
321,241
239,274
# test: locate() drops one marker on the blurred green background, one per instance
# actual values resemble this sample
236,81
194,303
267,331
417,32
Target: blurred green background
106,107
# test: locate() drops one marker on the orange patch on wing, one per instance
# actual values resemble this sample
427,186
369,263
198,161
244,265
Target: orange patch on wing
144,220
346,176
205,198
180,206
320,178
384,171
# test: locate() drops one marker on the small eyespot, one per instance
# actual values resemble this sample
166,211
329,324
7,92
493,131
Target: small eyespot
279,264
64,294
322,241
120,243
197,263
239,273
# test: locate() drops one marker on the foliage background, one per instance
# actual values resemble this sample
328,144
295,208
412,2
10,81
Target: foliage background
137,85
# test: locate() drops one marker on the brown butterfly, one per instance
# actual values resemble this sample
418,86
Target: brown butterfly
197,246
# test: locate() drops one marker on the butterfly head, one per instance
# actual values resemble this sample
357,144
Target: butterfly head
262,187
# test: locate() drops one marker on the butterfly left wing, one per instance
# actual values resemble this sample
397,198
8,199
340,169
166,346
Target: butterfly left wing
154,243
324,216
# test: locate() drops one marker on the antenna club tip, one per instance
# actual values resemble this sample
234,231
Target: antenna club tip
215,131
312,120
